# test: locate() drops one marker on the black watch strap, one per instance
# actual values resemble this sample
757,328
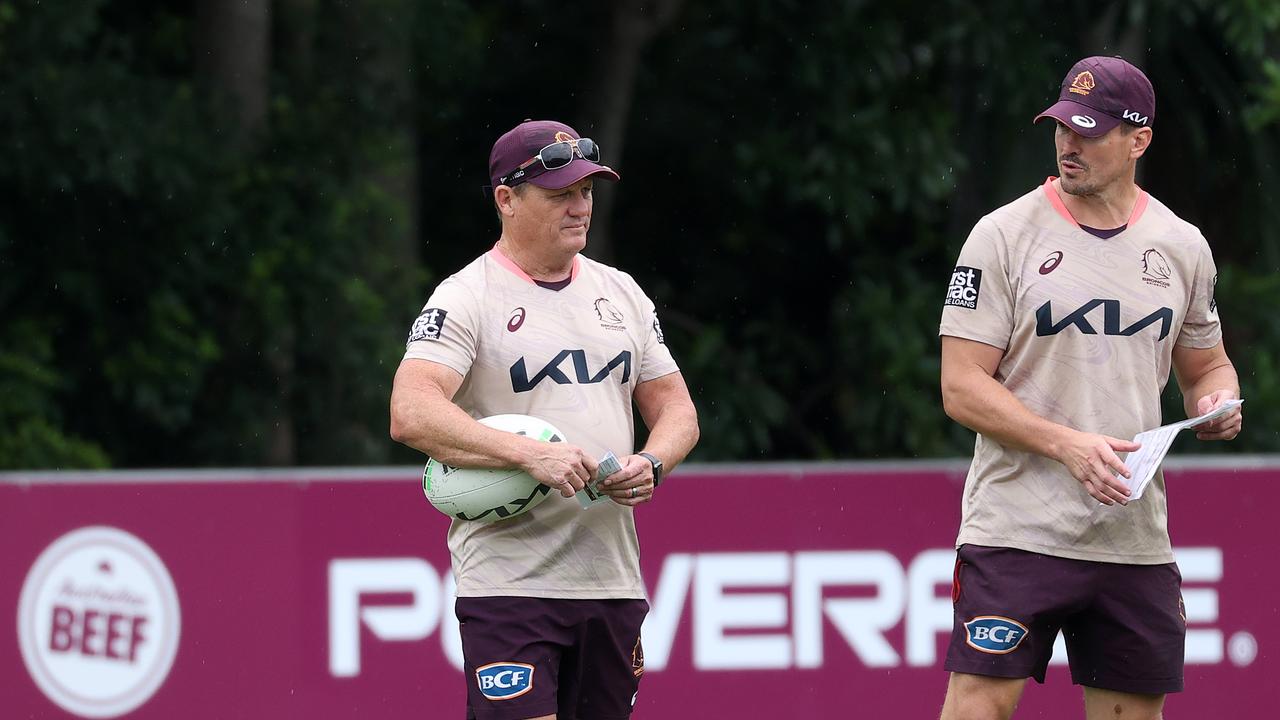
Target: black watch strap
657,467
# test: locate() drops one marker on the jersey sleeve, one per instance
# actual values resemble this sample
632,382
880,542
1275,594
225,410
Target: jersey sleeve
1201,328
979,301
656,359
445,330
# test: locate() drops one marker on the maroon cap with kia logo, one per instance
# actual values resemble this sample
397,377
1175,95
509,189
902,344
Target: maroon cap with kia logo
1100,93
512,160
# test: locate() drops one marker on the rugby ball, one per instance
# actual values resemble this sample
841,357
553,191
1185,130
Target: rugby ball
487,495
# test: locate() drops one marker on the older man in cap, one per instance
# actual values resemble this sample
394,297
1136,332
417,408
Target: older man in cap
550,602
1064,314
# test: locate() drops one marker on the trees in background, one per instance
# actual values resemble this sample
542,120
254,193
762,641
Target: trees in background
197,268
218,223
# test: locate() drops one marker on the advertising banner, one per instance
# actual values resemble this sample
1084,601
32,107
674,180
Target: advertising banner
803,590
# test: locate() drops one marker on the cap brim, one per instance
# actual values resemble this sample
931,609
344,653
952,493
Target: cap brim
1082,119
572,173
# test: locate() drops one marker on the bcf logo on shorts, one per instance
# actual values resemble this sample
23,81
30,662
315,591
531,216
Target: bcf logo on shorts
994,634
504,680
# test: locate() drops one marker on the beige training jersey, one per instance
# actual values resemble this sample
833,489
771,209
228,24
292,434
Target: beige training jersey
1088,327
572,357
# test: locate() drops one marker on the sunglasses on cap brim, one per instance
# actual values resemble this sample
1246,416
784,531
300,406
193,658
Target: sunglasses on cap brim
553,157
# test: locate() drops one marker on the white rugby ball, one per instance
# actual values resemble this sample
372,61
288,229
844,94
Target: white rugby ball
486,495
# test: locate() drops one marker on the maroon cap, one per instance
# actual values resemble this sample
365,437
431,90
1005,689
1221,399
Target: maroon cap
1100,93
523,142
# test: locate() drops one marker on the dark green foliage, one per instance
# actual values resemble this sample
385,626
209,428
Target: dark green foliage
161,280
797,181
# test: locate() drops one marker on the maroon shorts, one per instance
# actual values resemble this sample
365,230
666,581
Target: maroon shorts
1124,625
526,657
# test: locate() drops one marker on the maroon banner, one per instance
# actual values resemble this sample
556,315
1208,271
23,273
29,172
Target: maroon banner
776,590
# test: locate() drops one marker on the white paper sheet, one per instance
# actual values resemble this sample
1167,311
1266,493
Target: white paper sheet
1144,461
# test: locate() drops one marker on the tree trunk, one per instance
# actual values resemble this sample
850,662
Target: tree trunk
966,203
233,59
388,47
281,447
1116,34
635,23
233,46
297,23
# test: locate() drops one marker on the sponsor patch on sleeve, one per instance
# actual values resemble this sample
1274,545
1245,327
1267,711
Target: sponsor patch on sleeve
428,326
966,282
504,680
994,634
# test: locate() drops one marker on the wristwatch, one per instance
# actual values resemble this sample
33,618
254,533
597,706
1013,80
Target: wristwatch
657,467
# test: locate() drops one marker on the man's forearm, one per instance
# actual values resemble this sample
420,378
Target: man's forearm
1222,377
673,435
433,425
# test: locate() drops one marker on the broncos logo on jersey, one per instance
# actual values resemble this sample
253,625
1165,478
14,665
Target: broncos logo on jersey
607,312
1154,265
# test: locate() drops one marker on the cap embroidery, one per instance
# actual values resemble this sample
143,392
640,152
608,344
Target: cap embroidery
1136,117
562,136
1083,83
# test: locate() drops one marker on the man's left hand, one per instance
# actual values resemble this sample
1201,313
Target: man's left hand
633,484
1223,428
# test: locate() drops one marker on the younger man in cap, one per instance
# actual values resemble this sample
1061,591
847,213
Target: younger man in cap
1065,312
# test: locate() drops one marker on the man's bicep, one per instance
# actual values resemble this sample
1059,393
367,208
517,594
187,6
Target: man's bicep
420,389
653,395
415,377
961,354
1192,363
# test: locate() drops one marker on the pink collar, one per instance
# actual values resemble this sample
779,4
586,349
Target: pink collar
515,269
1056,201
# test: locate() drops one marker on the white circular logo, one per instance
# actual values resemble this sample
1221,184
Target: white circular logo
1084,121
98,622
1242,648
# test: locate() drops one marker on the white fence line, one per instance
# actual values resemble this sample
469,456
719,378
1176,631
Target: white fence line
690,470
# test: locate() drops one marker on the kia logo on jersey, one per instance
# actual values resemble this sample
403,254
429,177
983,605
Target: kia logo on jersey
1079,318
521,382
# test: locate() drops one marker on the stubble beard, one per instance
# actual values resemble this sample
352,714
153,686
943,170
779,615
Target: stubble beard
1078,187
